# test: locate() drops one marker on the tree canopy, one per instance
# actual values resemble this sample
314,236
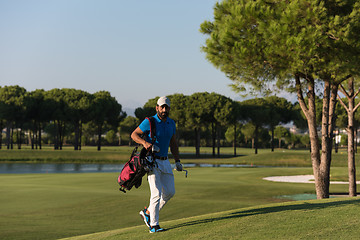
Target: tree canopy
297,45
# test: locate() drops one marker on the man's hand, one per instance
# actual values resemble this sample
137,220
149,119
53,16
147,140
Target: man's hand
147,145
136,136
179,166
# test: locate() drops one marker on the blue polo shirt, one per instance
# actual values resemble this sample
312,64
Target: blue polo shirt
164,132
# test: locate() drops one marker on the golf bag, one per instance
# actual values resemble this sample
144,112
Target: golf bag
138,165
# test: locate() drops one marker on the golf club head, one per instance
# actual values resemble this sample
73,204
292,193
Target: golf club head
186,172
155,149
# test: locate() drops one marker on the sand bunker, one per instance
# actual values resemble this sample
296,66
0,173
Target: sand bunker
299,179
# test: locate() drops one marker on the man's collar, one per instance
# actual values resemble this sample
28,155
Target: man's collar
158,119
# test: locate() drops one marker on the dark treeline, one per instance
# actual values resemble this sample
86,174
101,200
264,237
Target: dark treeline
203,119
58,113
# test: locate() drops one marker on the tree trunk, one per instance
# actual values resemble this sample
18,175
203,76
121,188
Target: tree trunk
19,138
80,135
8,134
351,138
197,142
213,136
31,139
320,163
76,130
351,152
12,138
315,153
218,133
272,139
279,142
60,134
234,142
56,136
256,139
39,136
99,137
326,142
36,141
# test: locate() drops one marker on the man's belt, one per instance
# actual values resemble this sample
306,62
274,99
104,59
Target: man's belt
161,158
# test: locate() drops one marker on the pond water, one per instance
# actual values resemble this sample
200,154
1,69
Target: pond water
307,196
296,197
19,168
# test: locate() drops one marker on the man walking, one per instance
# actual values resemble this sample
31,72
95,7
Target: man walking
161,178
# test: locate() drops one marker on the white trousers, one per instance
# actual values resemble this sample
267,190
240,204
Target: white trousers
162,188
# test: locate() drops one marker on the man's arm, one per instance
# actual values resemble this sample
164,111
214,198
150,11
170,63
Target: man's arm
136,136
174,148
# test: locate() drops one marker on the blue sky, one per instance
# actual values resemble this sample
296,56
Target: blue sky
136,50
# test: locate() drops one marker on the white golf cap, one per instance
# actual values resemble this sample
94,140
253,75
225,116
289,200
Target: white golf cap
163,100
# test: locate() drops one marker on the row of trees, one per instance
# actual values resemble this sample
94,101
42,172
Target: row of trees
305,46
71,113
60,109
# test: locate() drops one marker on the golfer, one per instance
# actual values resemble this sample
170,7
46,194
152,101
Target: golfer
161,178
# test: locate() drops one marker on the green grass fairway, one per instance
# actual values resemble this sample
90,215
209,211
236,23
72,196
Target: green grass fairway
315,219
52,206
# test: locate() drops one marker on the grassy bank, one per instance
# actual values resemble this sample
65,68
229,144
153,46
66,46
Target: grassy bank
52,206
315,219
67,155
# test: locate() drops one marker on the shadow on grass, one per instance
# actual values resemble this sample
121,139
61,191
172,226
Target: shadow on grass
266,210
345,194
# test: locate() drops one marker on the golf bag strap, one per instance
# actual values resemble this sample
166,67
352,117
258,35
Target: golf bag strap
152,129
